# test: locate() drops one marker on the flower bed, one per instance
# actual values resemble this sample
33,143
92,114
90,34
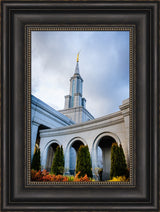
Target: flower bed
45,176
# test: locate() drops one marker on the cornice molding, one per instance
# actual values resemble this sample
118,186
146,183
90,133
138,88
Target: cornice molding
38,104
71,130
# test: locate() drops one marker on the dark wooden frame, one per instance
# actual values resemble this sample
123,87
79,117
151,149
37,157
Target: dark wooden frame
15,195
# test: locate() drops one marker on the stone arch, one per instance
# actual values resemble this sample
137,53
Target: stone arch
71,154
101,150
48,154
113,135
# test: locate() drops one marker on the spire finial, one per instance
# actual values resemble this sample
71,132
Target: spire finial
78,57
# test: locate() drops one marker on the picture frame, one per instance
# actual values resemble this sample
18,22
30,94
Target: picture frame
16,194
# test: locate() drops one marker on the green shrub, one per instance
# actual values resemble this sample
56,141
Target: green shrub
36,161
122,162
118,162
83,164
62,158
57,167
114,161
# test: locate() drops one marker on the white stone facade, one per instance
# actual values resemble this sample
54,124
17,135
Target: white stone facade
78,114
44,116
113,126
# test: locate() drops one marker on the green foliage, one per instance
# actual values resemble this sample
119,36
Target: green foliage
100,171
58,162
114,162
122,162
61,160
36,161
84,162
118,162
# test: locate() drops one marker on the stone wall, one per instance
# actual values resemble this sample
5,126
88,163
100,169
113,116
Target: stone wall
90,133
45,116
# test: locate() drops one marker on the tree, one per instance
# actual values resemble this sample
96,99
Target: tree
61,162
114,161
118,161
36,161
122,162
83,164
58,161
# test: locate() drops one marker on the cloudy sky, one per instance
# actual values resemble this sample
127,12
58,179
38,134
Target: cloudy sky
103,63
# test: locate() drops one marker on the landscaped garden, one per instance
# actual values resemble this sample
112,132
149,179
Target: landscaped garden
118,171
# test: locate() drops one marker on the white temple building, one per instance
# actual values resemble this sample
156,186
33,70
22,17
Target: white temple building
75,126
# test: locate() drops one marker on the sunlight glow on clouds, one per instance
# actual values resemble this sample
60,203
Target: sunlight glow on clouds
104,67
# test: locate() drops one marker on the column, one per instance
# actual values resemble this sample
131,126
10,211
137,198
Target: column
44,152
106,162
94,163
34,131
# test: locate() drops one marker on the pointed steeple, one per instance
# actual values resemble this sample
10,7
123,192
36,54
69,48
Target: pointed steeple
75,103
75,99
77,65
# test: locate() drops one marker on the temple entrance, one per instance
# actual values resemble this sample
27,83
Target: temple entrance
50,155
73,155
104,155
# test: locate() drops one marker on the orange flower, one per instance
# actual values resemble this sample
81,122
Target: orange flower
44,176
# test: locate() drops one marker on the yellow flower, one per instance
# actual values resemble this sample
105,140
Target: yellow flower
118,179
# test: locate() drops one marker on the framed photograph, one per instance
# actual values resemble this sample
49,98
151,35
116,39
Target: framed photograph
102,134
80,106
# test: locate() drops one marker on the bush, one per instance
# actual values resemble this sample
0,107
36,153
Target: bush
36,176
114,161
36,161
100,171
122,162
118,162
81,179
119,179
62,160
57,167
44,176
83,166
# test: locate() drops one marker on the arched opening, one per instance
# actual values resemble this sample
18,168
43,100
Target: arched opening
41,127
104,155
50,155
73,155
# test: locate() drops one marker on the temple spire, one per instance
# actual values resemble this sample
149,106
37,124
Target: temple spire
77,65
78,57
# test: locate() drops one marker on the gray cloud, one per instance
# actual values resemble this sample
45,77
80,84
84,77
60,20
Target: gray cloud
104,67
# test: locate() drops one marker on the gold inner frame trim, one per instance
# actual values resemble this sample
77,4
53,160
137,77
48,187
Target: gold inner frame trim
132,100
